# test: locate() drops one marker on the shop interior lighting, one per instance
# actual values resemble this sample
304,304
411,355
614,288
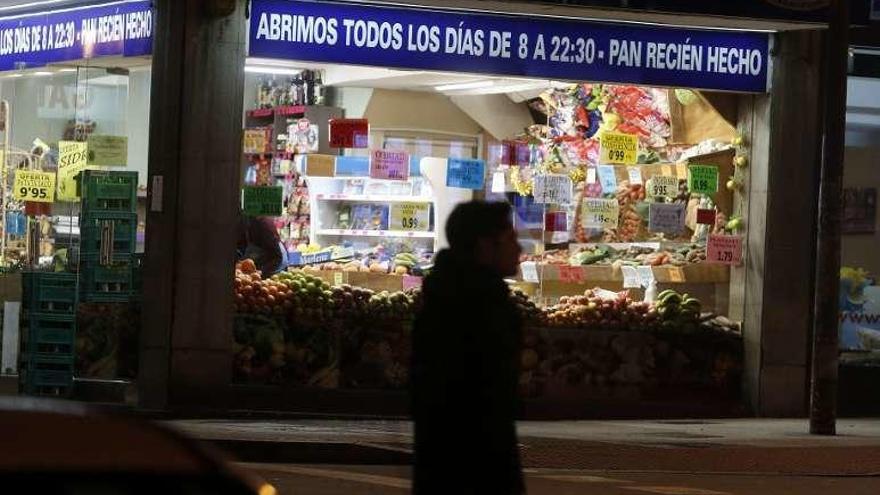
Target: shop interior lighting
42,73
67,69
9,76
260,69
467,85
41,3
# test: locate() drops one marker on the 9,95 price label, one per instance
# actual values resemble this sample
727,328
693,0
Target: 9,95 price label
664,186
616,147
600,213
34,186
411,216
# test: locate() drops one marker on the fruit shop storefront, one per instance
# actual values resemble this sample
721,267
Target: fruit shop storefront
662,178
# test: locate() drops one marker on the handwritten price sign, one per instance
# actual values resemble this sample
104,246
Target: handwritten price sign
615,147
724,249
411,216
262,201
666,217
664,186
34,186
703,179
598,213
392,165
552,189
465,173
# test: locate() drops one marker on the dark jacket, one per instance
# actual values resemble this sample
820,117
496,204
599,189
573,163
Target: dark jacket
466,349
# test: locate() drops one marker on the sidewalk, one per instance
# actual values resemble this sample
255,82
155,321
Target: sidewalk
706,446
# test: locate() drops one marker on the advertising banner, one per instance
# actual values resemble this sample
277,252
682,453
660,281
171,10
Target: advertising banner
463,41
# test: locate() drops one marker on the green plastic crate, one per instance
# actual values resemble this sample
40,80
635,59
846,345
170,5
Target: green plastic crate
52,377
120,228
49,335
106,283
49,292
108,192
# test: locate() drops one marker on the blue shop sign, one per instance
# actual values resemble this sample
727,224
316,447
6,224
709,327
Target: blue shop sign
461,41
123,28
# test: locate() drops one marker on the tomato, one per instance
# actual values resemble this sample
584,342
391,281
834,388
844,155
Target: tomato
248,266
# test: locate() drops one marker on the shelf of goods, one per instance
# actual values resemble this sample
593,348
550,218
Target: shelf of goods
352,330
377,233
372,198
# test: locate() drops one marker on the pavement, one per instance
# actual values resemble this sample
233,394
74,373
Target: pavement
745,446
387,480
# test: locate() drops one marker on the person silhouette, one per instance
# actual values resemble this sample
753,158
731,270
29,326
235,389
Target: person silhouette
465,368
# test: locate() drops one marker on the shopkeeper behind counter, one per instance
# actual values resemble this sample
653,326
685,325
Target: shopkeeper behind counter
259,241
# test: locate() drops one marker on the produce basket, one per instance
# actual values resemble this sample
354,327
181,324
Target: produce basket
108,192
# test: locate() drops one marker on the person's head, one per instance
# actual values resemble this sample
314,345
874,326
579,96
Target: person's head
483,233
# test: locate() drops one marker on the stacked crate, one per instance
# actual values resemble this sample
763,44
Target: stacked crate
48,329
108,236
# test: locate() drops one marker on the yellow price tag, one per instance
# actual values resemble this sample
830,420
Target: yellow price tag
410,216
73,156
34,186
337,278
676,274
616,147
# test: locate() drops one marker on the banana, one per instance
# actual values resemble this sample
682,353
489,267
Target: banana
665,293
671,299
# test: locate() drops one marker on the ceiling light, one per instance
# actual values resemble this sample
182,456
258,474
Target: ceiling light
467,85
12,75
257,69
67,69
42,73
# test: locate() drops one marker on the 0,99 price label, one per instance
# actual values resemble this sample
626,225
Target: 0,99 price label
703,179
615,147
411,216
664,186
34,186
600,213
724,249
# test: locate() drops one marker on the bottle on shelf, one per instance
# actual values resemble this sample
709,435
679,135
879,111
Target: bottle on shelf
299,90
319,88
309,87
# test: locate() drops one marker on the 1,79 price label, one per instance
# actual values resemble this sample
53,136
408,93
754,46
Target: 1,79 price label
615,147
724,249
34,186
411,216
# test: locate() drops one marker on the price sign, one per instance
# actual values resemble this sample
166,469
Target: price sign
391,165
349,133
412,282
498,182
598,213
607,178
703,179
724,249
529,271
552,189
646,275
34,186
676,274
320,165
615,147
72,159
465,173
706,216
337,278
591,175
571,274
410,216
666,217
108,151
262,201
630,277
635,175
664,186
